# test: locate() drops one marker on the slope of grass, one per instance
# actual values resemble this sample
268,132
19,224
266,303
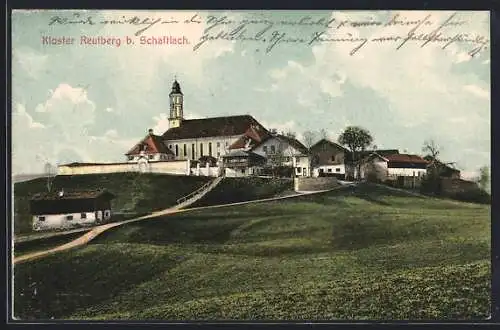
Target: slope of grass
359,253
233,190
135,192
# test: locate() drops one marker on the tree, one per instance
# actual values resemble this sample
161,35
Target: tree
432,181
432,149
357,139
323,134
484,177
309,138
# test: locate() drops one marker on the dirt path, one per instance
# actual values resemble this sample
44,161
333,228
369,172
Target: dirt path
95,231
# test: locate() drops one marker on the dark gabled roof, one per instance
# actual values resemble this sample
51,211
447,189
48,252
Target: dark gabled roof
215,126
323,141
154,144
72,195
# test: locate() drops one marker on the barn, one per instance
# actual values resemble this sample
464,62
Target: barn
69,209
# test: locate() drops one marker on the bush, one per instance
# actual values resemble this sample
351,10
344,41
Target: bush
474,196
431,184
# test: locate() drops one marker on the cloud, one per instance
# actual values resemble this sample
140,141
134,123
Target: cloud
23,119
29,61
421,86
161,124
62,133
477,91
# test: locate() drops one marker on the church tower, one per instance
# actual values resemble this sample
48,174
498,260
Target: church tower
176,101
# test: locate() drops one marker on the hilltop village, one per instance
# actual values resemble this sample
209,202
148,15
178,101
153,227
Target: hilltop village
236,146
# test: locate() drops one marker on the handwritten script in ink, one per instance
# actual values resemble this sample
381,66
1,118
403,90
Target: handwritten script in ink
268,34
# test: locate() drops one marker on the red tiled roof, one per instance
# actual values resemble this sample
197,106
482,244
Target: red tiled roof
70,195
154,144
215,126
405,158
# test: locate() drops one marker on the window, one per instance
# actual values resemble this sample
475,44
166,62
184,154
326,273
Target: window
210,149
243,170
185,150
333,158
298,169
201,149
41,218
176,150
227,144
169,146
218,145
273,149
69,217
83,216
337,170
330,170
192,151
265,149
297,159
130,157
151,156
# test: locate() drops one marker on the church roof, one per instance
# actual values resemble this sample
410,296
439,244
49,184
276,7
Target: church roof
215,126
153,144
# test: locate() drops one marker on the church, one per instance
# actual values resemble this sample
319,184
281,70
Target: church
211,139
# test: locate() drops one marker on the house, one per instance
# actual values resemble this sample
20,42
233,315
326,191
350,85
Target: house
285,151
403,170
328,159
239,163
361,157
67,209
150,149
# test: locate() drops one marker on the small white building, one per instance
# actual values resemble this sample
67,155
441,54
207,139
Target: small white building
65,210
402,169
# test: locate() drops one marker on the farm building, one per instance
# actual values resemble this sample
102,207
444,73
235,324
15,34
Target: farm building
59,210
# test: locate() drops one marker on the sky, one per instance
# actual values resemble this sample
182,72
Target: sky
92,103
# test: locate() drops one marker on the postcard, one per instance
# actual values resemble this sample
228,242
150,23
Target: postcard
295,166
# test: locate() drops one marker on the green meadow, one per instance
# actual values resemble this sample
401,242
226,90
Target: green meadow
356,253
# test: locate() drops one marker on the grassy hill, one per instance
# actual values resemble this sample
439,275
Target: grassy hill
135,192
233,190
356,253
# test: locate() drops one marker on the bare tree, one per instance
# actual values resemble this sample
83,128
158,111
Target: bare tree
323,134
432,184
432,149
50,173
309,138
